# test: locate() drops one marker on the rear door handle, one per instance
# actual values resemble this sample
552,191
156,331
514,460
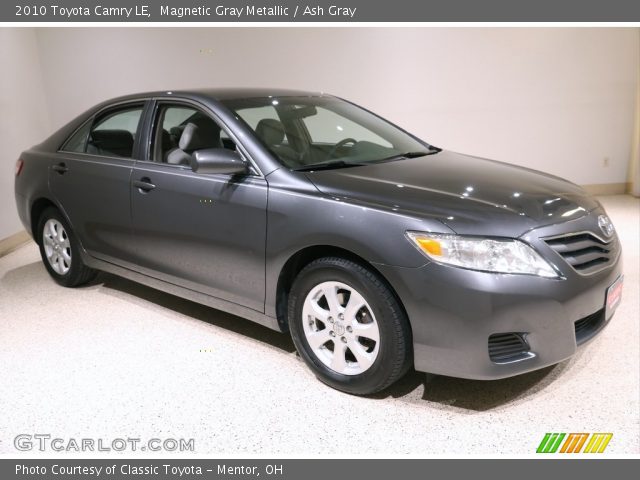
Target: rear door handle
61,168
144,184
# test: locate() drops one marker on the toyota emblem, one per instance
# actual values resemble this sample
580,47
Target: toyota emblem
605,225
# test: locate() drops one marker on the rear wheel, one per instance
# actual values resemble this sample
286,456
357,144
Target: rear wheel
348,326
60,251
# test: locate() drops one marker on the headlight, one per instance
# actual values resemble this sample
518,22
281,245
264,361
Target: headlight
489,255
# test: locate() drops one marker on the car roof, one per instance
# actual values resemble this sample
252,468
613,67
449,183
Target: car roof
220,94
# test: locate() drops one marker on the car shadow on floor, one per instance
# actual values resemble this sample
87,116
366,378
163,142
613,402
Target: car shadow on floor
472,395
195,310
436,390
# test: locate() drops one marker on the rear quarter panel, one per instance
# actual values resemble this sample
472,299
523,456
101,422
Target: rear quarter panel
32,184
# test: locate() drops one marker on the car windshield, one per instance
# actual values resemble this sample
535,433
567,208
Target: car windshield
308,133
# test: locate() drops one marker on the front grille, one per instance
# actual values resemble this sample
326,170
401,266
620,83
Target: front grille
585,252
508,347
588,326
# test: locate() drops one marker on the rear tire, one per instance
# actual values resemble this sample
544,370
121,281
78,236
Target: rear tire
348,326
60,252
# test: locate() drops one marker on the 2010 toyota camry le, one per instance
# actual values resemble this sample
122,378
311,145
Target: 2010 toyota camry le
308,214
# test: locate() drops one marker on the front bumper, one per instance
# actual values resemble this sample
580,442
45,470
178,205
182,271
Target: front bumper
453,312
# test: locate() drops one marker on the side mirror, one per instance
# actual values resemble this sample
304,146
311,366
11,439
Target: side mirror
217,160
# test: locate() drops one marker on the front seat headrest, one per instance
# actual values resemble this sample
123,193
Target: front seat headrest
271,131
199,135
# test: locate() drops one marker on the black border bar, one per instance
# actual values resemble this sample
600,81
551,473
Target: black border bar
220,11
316,469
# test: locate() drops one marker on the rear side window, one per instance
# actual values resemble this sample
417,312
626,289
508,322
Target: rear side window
78,141
112,134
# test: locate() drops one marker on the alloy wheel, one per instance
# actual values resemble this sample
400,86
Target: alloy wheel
57,248
340,328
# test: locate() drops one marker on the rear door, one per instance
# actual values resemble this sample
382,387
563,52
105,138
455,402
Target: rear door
90,178
201,231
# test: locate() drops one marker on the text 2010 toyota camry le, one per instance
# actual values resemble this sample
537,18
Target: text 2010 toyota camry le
308,214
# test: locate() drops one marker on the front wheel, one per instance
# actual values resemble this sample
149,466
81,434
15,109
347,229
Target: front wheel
348,326
60,252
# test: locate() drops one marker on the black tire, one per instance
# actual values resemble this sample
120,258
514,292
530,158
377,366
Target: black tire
78,273
394,355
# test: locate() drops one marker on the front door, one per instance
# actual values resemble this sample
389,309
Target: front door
201,231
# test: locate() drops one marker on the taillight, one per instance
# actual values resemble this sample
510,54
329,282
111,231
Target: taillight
19,166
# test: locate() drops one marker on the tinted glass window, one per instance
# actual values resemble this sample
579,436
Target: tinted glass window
202,131
259,118
114,133
78,141
175,116
329,127
123,120
303,132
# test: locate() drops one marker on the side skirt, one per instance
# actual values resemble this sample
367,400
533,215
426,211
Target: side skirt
178,291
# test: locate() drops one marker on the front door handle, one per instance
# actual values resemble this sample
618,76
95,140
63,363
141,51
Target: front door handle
61,168
144,184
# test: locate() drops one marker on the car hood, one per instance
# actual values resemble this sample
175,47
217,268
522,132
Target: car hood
469,195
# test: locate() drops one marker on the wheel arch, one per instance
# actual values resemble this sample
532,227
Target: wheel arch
37,207
302,258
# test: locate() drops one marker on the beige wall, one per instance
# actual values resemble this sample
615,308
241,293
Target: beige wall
634,161
23,118
555,99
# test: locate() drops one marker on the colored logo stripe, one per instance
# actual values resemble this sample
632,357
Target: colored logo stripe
550,443
574,443
597,443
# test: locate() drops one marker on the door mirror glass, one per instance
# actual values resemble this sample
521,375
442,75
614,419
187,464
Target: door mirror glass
218,160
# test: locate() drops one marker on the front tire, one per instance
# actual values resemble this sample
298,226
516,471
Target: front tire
60,252
348,326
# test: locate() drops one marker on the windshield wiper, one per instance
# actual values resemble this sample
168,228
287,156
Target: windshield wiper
342,164
416,154
328,165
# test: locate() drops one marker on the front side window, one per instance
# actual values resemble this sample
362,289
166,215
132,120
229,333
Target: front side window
304,132
260,119
180,130
112,133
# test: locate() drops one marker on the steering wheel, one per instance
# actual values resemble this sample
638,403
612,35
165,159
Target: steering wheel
339,145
